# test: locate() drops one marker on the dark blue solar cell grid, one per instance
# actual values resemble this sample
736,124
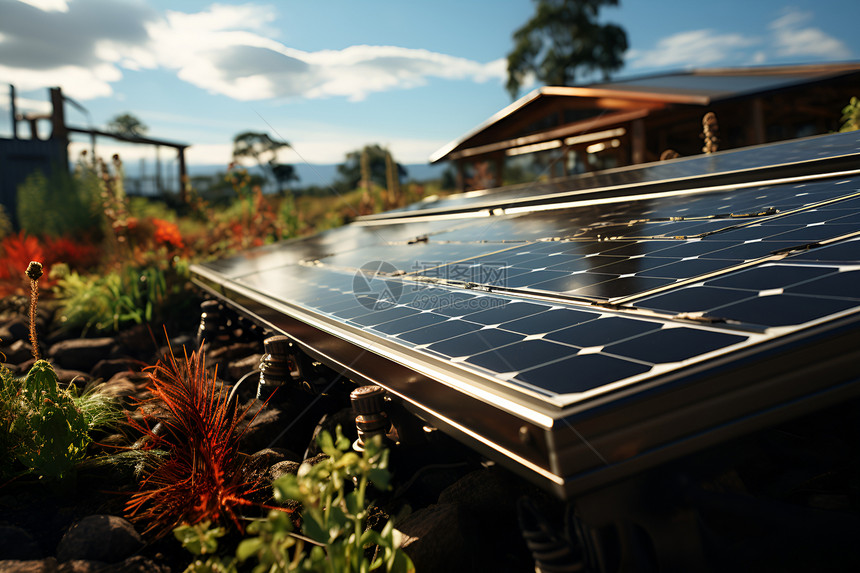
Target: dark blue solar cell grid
547,349
836,252
777,294
608,251
620,268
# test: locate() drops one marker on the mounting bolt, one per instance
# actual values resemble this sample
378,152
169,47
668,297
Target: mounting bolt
368,404
275,364
214,326
524,435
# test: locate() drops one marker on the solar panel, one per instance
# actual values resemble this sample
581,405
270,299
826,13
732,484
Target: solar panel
607,315
786,159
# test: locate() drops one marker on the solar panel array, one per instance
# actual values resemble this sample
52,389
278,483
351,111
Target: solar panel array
563,304
749,160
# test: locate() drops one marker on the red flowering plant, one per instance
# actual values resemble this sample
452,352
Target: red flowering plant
16,252
167,234
194,472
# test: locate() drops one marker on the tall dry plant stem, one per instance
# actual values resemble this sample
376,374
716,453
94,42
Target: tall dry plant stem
34,272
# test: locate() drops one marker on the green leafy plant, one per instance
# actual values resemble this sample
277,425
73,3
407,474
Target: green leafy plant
107,302
200,478
51,429
334,497
10,410
851,115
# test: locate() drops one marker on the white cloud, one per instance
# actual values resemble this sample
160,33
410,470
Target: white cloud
792,40
25,105
226,50
76,44
48,5
790,37
691,48
211,51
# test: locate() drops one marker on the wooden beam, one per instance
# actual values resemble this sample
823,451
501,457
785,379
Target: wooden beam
577,128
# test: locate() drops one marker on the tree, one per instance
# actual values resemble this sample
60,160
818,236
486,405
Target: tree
562,39
127,125
264,150
350,170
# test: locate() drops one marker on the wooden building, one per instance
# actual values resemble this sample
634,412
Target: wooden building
564,130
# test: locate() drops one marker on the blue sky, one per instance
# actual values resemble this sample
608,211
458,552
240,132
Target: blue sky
330,76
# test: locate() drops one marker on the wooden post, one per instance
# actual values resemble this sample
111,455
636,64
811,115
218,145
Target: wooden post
183,176
757,133
158,186
499,164
461,176
637,137
14,111
59,133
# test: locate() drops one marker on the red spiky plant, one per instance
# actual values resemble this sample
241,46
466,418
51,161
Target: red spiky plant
200,478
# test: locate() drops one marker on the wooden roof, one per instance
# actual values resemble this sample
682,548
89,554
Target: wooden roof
580,109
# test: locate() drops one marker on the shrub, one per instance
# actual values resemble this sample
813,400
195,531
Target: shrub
60,204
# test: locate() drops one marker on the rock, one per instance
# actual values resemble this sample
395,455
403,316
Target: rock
67,377
482,489
264,428
433,539
106,368
25,366
316,459
81,353
181,343
257,465
135,564
235,351
488,525
238,368
80,566
268,457
124,385
17,328
105,538
48,565
17,543
18,352
281,469
137,340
